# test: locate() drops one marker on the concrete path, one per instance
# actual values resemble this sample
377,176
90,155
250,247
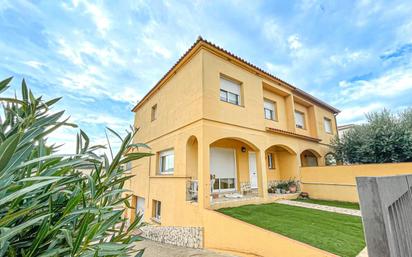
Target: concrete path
322,207
155,249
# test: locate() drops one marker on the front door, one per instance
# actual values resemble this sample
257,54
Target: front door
253,170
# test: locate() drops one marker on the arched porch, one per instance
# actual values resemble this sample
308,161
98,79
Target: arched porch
281,163
235,169
310,158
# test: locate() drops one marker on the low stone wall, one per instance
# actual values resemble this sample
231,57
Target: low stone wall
191,237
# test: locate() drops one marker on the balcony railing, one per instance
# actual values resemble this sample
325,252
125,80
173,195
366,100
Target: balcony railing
192,190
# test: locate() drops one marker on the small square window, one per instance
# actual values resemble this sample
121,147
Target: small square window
154,112
230,91
328,125
157,210
269,109
166,162
300,119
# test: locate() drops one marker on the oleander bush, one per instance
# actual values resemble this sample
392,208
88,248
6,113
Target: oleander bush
385,138
59,204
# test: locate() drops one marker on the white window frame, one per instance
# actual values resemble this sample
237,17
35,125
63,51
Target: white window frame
219,180
228,95
219,190
157,210
272,112
162,157
140,209
327,124
303,126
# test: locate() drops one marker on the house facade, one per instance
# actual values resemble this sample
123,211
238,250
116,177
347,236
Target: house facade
221,130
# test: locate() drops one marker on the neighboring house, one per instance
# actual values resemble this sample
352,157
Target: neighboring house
344,128
217,125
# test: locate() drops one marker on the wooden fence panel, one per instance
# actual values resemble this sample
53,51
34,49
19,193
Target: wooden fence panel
386,206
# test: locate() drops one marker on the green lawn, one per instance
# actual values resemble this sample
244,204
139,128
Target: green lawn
336,233
347,205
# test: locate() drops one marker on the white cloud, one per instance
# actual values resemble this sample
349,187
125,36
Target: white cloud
348,57
392,83
35,64
158,48
356,114
274,33
111,121
99,16
294,42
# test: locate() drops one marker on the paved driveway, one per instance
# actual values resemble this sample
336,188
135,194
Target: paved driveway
155,249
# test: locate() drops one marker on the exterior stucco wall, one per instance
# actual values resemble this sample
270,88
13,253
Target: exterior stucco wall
339,182
247,239
303,109
179,102
321,113
281,114
188,106
250,113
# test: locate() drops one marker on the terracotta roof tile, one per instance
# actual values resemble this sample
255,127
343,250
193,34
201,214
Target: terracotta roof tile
284,132
200,39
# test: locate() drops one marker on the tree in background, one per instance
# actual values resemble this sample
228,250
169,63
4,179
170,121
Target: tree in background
384,138
48,207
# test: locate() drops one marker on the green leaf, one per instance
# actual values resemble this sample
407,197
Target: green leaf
115,133
12,100
16,230
134,156
53,101
4,83
68,237
82,231
26,190
7,149
24,91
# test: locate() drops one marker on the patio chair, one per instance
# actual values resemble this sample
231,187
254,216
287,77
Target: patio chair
245,188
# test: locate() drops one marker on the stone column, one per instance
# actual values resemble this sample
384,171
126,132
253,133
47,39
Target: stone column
204,174
262,174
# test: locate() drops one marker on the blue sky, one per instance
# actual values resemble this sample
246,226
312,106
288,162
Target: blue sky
102,57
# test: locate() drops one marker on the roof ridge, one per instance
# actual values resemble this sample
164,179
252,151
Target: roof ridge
201,39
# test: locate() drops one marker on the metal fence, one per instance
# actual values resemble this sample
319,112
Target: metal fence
386,206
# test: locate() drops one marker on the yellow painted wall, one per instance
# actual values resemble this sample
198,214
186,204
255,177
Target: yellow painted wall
339,182
303,109
188,104
280,103
273,174
179,102
321,113
228,234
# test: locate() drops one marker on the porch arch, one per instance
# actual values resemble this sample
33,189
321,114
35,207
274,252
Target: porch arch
309,158
192,150
330,159
245,172
283,165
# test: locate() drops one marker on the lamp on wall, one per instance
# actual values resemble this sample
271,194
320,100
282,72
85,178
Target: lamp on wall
243,149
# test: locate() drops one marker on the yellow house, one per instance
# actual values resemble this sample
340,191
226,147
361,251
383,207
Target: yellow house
222,130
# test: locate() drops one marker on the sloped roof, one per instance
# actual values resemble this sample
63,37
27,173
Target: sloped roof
202,42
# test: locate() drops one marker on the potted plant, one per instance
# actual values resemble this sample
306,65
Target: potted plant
282,186
215,195
292,186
